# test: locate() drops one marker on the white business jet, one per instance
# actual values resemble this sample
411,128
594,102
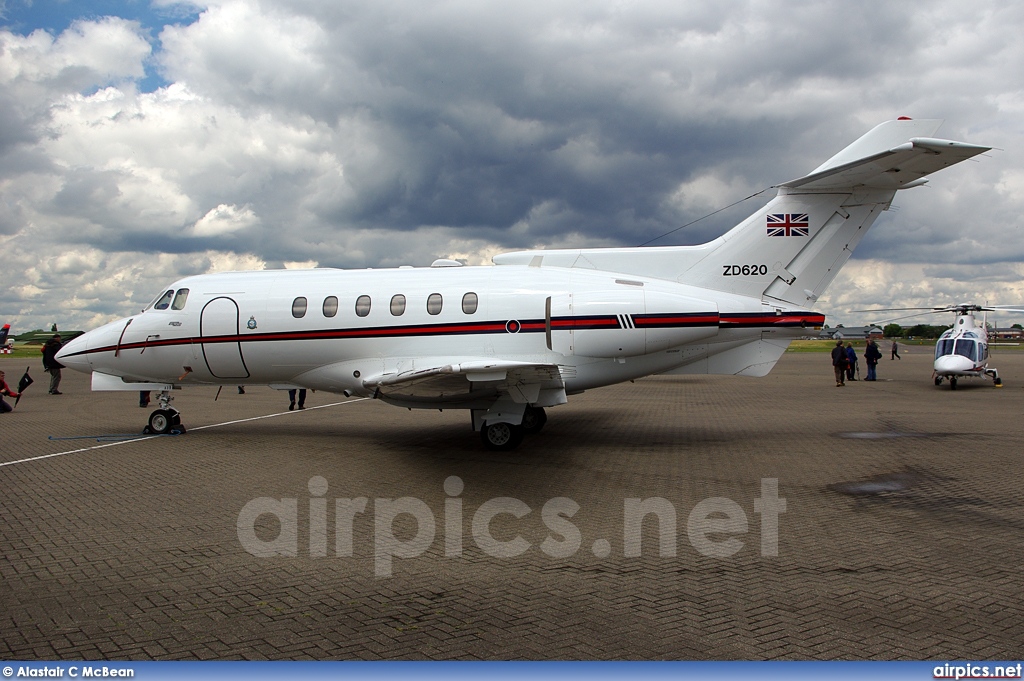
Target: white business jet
510,340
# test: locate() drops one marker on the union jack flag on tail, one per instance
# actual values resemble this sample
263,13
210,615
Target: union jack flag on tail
788,224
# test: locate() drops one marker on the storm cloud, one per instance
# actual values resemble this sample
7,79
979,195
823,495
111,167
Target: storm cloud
364,134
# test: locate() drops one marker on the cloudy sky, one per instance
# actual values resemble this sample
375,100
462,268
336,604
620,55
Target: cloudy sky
144,140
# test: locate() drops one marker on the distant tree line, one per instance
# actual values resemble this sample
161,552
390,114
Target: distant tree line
917,331
921,330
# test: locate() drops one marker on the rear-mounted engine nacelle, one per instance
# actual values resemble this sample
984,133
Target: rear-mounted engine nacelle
627,322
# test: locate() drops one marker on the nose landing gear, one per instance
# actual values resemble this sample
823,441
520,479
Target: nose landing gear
165,419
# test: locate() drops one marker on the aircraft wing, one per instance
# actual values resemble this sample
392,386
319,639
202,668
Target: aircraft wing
471,379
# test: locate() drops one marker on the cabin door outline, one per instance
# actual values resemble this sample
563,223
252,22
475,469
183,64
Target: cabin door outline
222,347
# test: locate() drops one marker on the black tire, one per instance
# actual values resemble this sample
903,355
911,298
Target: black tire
938,380
161,420
997,381
534,419
952,382
501,437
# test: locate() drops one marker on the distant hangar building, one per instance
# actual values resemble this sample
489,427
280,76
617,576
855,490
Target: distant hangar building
851,333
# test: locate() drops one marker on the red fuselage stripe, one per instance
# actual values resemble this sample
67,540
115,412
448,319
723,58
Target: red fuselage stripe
641,321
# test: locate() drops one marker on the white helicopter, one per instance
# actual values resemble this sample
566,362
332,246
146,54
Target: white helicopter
505,342
962,350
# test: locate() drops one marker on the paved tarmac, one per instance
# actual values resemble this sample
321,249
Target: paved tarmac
902,534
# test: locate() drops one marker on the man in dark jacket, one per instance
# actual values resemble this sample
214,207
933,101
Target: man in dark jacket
50,363
839,361
872,354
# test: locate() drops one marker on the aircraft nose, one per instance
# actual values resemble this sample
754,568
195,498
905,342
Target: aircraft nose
951,363
75,354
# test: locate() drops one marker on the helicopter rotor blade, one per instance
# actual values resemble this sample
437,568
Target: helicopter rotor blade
1004,308
959,309
908,316
901,309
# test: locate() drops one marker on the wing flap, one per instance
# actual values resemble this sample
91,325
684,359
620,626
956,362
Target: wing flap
471,379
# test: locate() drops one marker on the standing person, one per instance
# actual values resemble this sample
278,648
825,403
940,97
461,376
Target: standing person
51,364
5,390
872,354
851,362
895,352
839,361
302,398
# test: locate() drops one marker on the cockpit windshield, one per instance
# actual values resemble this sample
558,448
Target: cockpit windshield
163,302
967,348
179,299
944,347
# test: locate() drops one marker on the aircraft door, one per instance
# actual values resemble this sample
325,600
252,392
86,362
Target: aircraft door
222,350
557,323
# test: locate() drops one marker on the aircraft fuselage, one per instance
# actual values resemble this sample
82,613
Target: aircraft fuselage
332,329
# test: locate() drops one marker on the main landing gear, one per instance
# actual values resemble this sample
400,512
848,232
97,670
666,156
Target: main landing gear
991,373
504,437
165,419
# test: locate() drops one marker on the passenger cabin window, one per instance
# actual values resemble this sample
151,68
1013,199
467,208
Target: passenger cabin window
398,305
299,307
164,301
434,303
179,299
469,303
362,306
330,306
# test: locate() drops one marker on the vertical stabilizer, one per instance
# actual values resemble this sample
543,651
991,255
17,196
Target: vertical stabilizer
792,249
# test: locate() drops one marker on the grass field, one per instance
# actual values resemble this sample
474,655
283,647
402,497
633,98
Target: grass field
27,351
827,345
883,345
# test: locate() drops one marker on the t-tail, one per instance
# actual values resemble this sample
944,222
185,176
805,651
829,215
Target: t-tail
790,251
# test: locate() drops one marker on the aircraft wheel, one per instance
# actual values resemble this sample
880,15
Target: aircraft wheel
952,382
938,380
998,382
534,419
161,420
501,437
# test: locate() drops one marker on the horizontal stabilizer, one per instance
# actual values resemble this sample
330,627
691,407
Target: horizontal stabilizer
894,155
